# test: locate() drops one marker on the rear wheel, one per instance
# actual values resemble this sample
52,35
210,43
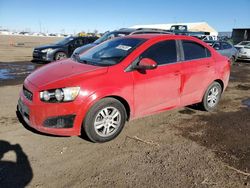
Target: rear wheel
105,120
232,60
60,55
211,97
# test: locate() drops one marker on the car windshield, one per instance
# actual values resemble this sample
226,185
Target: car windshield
109,35
244,43
247,46
64,41
111,52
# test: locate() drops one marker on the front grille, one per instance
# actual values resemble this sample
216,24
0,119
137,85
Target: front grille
28,94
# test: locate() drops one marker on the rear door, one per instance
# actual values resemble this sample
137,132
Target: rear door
197,71
158,89
227,49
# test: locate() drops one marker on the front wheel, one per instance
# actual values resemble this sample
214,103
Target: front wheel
60,56
105,120
212,96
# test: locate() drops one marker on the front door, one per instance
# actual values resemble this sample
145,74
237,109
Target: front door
158,89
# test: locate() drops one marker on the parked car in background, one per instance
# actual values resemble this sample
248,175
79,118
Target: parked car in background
122,79
118,33
60,50
241,44
225,49
244,53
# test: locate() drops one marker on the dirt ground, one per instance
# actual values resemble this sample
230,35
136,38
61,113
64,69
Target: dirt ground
179,148
20,48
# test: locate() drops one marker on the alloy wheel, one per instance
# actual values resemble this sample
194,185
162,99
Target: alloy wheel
107,121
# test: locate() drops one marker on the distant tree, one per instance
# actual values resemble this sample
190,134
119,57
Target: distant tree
95,31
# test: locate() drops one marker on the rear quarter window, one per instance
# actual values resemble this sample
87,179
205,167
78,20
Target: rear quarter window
193,50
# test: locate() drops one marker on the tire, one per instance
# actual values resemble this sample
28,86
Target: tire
211,97
99,125
60,56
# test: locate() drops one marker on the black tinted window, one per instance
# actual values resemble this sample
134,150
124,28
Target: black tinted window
226,45
162,52
193,50
79,42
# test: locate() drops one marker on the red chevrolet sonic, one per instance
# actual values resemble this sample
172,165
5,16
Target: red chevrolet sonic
121,79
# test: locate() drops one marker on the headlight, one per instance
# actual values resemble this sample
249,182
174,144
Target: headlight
60,94
47,50
45,95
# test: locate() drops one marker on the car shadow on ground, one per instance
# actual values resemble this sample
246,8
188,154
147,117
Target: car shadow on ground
14,174
39,62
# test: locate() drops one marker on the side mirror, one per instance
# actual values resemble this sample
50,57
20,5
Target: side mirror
146,64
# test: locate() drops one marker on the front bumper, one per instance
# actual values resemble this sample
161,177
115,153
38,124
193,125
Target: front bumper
40,56
243,56
37,114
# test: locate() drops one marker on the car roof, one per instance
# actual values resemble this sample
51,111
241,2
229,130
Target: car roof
138,30
163,36
76,37
147,36
129,30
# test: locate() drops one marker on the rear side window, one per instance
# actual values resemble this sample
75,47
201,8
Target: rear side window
162,52
193,50
226,45
217,46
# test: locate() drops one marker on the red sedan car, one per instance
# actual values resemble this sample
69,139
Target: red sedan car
122,79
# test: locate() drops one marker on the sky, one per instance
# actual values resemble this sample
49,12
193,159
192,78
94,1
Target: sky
88,15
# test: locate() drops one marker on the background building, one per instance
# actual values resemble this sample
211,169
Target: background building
240,34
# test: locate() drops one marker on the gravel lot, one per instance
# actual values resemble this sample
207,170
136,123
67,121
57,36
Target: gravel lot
180,148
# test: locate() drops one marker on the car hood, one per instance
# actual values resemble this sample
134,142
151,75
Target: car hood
238,46
65,71
47,46
245,49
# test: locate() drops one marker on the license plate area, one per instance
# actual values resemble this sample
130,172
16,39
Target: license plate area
23,109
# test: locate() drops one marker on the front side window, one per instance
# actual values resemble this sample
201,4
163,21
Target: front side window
162,52
193,50
78,42
111,52
65,41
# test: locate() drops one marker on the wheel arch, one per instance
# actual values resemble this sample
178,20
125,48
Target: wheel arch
93,98
124,102
221,83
